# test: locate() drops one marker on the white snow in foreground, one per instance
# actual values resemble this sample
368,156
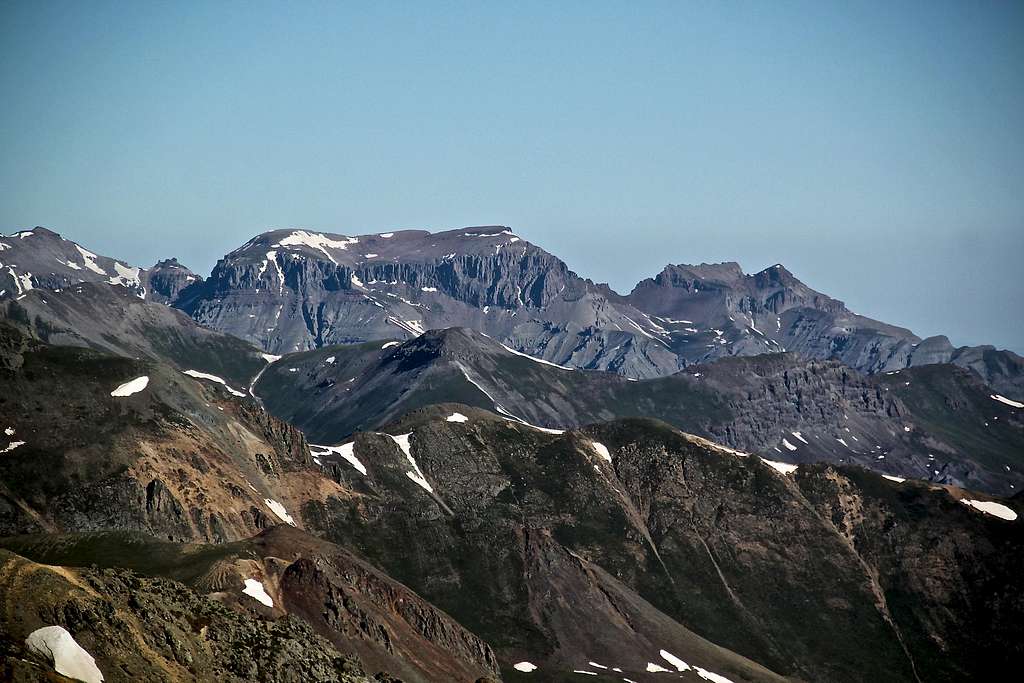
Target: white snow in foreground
69,659
390,344
679,664
783,467
990,508
898,480
1007,401
799,436
535,359
416,474
132,387
788,445
602,450
12,445
213,378
345,450
279,510
653,668
456,417
270,358
254,589
525,667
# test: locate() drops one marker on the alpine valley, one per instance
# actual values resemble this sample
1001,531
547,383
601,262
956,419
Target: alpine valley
414,456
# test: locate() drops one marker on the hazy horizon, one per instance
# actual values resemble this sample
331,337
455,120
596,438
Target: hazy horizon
874,149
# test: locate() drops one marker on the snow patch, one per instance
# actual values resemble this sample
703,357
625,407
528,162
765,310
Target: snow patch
788,445
56,645
254,589
799,436
1009,402
316,240
330,360
12,445
653,668
525,667
428,289
783,467
213,378
456,417
602,450
279,510
390,344
89,259
270,358
711,675
991,508
679,664
416,474
898,480
133,387
345,450
535,359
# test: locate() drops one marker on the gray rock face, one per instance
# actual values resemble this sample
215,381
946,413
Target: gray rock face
167,279
715,310
291,290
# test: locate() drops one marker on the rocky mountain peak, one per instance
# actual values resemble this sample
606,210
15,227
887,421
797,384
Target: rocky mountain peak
167,279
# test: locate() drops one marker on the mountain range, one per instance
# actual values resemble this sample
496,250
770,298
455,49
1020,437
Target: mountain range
446,457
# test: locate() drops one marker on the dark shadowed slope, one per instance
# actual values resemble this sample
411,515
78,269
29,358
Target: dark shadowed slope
946,428
534,541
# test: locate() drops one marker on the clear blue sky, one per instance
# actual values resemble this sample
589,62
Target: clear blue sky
875,148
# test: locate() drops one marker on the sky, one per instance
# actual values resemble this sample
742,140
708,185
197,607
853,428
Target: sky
874,148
